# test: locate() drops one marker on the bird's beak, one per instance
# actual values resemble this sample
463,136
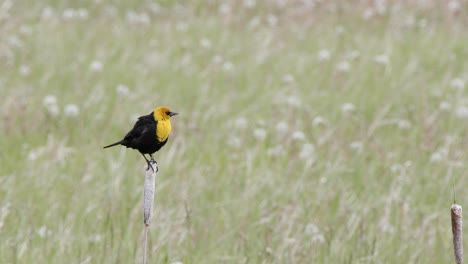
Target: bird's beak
173,113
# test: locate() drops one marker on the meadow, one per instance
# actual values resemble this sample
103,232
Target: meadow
308,131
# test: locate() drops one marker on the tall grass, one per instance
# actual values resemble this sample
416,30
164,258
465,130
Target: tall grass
308,132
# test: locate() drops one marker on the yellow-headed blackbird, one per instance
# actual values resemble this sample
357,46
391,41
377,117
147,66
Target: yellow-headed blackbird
149,133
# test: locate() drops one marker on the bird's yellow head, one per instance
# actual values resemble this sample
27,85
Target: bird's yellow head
163,113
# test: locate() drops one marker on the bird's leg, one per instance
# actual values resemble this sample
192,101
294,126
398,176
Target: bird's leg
148,162
152,159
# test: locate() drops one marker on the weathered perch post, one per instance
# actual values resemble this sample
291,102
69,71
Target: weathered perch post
457,231
148,200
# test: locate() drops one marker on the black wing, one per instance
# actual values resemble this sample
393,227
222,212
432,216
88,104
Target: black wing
144,120
143,124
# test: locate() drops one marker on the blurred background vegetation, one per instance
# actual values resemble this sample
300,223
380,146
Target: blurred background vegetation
309,131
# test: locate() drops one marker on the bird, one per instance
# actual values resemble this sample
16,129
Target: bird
149,134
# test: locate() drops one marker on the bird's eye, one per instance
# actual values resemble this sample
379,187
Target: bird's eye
168,113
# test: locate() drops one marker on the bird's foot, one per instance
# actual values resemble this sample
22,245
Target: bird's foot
150,165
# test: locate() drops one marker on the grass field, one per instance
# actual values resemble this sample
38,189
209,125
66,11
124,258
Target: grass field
309,131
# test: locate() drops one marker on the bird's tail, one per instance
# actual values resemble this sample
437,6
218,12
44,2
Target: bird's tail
114,144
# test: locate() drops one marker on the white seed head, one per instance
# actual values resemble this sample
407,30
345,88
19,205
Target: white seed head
260,133
32,155
462,112
311,229
68,13
457,83
181,27
82,13
272,20
282,127
122,89
354,54
444,106
24,70
205,43
96,66
348,108
339,29
53,110
368,13
436,157
307,151
234,142
49,100
395,168
318,121
276,151
249,4
43,232
47,12
298,135
323,55
453,6
382,59
356,146
404,124
343,66
71,110
241,123
224,9
217,59
293,101
228,66
288,78
95,238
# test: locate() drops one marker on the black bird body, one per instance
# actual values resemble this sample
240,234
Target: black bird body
150,133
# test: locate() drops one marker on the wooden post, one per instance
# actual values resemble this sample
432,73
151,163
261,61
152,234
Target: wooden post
457,231
148,200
